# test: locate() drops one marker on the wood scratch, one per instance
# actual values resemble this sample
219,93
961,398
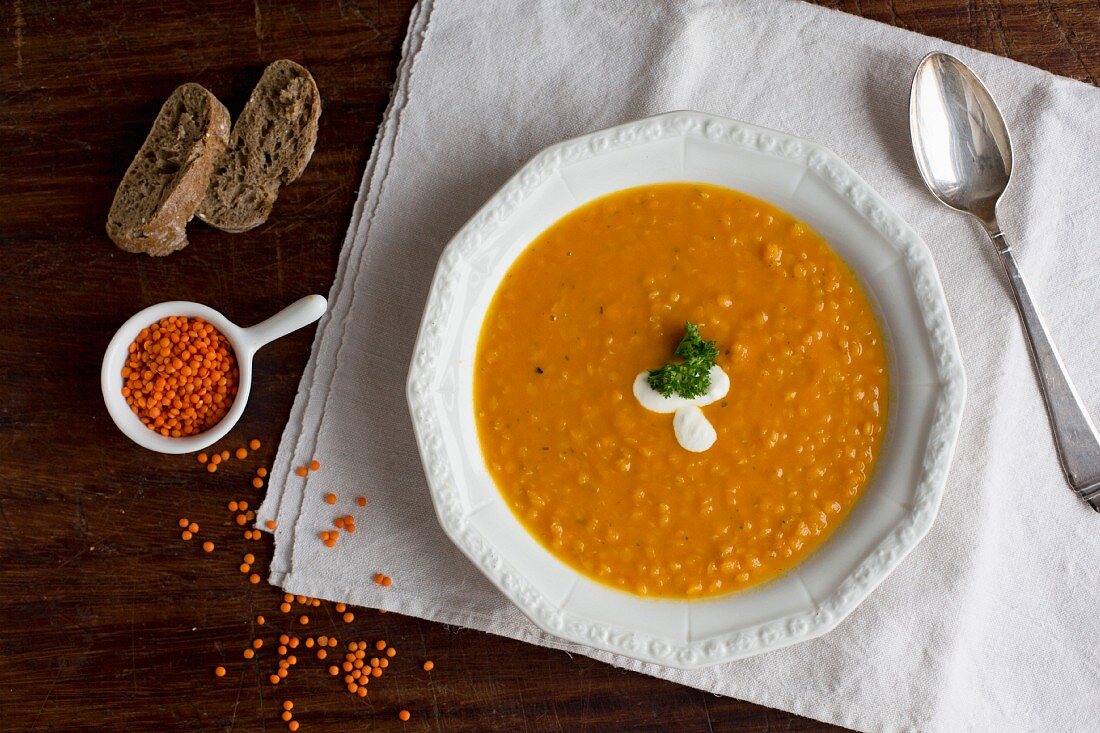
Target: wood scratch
20,24
706,709
1056,21
259,27
996,23
56,677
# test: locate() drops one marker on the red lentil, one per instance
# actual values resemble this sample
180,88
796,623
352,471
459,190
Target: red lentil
180,377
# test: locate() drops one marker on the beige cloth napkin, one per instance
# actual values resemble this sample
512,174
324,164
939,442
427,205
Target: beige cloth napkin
992,622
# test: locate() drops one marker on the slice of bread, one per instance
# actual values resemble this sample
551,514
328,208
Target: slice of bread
271,144
168,179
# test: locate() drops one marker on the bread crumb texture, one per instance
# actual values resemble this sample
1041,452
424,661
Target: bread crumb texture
168,178
270,145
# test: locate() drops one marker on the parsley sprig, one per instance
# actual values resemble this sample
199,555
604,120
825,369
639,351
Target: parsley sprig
690,377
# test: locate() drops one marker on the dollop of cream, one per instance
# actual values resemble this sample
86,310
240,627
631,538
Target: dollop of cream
654,401
693,431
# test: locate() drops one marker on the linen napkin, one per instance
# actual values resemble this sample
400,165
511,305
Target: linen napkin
991,623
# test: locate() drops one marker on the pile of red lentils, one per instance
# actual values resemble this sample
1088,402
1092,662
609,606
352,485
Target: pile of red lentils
180,377
362,661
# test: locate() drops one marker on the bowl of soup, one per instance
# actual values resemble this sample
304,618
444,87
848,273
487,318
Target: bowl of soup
686,390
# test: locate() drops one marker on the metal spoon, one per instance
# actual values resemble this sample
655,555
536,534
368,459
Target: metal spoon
965,158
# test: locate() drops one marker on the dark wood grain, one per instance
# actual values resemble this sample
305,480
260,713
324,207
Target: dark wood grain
108,621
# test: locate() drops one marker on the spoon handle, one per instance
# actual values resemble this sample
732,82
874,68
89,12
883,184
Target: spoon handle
1074,434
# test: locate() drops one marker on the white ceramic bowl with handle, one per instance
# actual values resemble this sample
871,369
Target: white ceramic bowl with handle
245,342
927,386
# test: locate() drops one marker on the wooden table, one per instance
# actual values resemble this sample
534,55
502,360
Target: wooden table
109,620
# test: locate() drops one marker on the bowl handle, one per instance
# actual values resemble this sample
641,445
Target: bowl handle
296,315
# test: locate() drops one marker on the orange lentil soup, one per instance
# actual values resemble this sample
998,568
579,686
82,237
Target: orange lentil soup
600,481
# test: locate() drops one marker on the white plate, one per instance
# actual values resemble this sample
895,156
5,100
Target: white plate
927,385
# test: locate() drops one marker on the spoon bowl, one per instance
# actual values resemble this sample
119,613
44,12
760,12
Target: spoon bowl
960,139
245,342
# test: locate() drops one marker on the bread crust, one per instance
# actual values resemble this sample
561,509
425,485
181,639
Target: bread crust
165,230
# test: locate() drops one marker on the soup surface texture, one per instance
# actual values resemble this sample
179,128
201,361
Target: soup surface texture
600,481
